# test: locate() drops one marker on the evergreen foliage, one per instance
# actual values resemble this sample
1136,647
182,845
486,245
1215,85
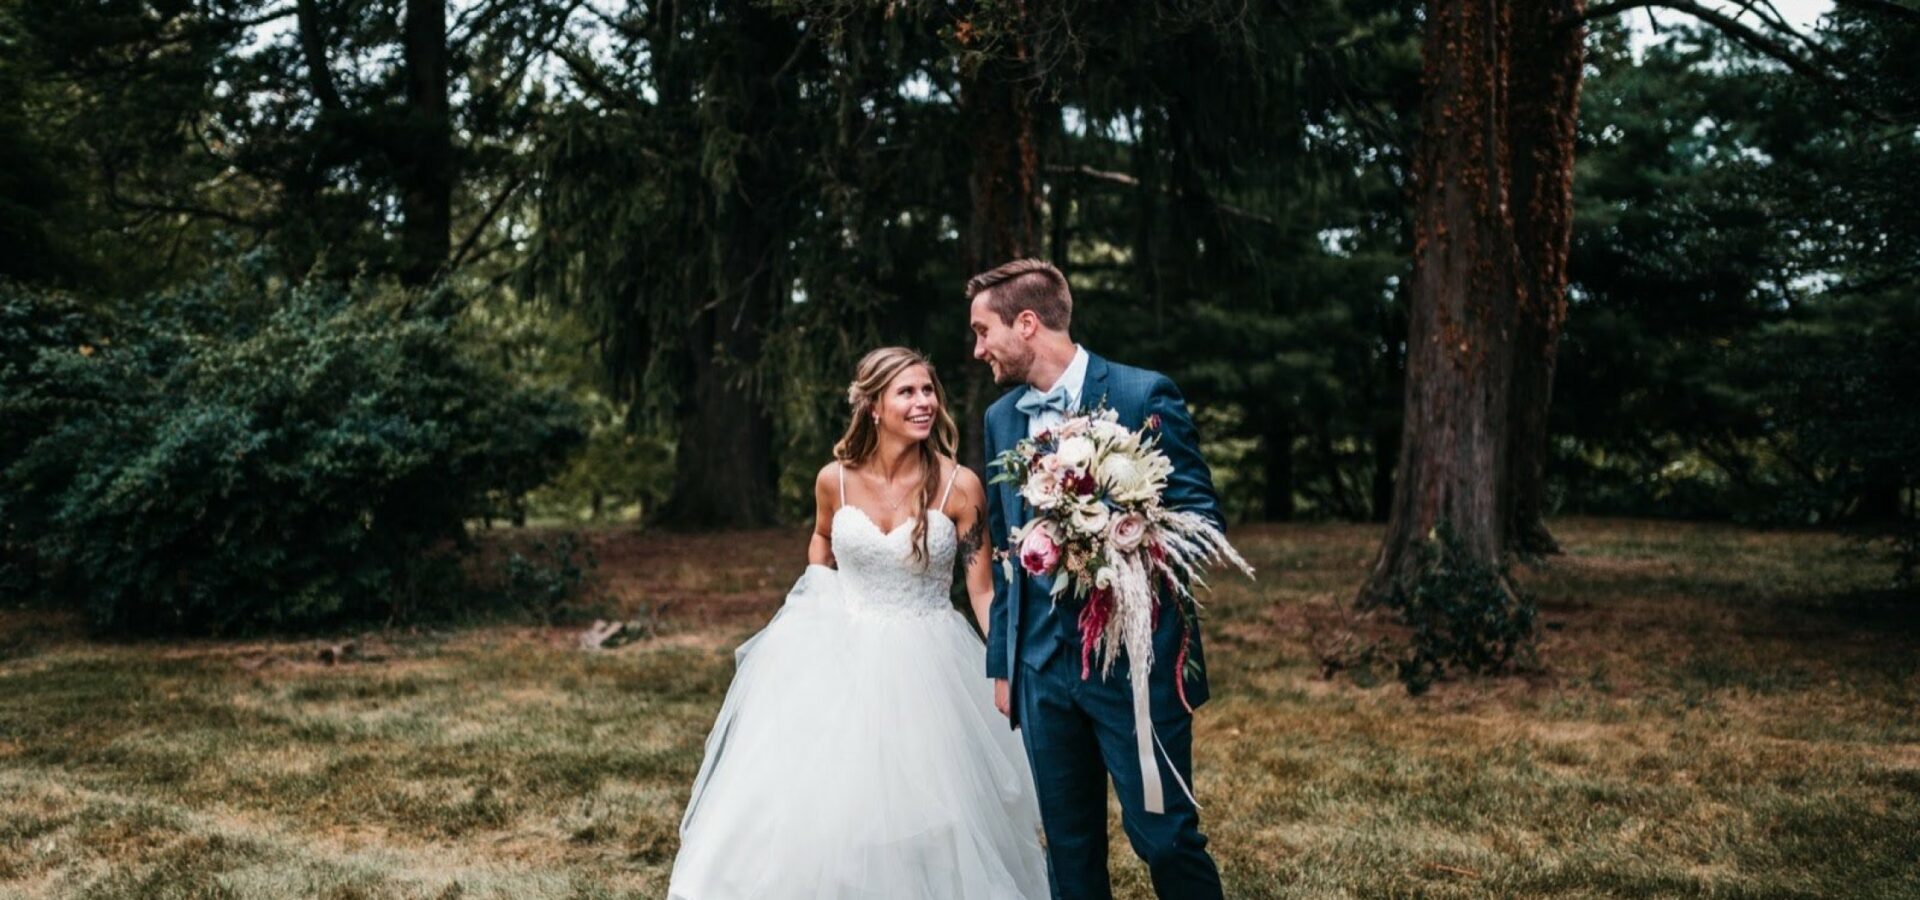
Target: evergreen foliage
245,453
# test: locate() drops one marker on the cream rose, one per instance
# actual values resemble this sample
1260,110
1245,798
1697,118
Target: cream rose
1126,532
1108,431
1090,518
1075,452
1042,490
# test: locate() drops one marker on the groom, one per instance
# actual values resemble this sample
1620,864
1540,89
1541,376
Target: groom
1078,733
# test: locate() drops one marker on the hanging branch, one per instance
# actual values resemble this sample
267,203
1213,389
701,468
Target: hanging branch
1745,34
486,219
1124,180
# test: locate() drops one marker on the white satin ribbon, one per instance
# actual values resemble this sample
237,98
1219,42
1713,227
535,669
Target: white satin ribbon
1145,740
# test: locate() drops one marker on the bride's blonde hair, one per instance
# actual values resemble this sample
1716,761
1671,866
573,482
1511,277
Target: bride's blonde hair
870,379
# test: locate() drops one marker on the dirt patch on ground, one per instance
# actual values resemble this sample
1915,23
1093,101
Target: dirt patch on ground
692,582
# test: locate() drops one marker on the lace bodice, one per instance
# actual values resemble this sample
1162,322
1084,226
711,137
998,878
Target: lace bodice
878,570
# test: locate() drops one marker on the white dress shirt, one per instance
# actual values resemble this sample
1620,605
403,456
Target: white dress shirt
1073,379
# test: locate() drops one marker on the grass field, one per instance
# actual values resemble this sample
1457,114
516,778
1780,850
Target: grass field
1720,713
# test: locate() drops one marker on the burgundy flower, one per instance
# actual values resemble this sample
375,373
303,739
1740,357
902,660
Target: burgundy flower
1093,621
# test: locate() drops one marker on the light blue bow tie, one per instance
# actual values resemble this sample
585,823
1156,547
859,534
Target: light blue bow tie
1033,401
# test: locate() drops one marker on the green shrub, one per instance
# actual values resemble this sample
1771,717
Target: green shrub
546,579
1462,615
246,454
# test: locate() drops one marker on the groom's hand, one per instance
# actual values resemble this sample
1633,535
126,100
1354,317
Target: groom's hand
1000,701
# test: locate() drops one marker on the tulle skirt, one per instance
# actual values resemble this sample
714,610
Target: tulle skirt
858,756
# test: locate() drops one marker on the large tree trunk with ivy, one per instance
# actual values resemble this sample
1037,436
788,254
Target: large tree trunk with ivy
423,145
1548,56
1460,333
724,470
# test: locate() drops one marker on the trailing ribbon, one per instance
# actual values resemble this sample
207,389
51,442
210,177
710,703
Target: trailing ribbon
1144,739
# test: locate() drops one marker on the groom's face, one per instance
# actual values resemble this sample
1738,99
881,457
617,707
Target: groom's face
1001,345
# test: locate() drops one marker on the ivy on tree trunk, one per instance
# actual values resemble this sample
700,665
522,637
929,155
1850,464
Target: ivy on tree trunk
1460,341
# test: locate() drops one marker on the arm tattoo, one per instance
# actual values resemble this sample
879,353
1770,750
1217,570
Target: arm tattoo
975,538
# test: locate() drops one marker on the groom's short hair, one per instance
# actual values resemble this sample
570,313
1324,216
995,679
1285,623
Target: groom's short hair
1026,284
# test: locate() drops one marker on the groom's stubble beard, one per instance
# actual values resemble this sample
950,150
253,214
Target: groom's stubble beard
1013,371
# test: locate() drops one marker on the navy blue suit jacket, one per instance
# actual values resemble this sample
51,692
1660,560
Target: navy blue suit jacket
1134,394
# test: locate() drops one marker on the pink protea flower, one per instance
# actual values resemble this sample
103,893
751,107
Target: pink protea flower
1040,550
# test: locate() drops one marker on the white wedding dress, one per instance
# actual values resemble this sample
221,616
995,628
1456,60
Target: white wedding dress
858,754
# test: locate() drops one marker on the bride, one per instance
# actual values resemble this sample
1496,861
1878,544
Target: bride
858,753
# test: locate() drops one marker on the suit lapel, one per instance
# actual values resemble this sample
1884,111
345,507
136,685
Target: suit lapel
1017,424
1093,391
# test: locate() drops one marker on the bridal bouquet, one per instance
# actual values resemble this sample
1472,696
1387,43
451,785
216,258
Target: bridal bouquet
1101,531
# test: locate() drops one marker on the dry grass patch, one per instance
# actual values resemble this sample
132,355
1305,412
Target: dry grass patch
1720,712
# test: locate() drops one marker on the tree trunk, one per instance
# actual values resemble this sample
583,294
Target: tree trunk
1460,336
424,157
997,99
1277,441
724,472
997,103
725,475
1386,453
1390,370
1545,98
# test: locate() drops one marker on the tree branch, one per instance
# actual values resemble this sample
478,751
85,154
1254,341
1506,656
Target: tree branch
1745,34
588,74
313,47
486,219
260,19
1124,180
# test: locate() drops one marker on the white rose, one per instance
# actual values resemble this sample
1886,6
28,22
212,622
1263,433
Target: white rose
1090,518
1108,431
1041,490
1075,452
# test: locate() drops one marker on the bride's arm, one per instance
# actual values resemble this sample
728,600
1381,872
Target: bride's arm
826,501
969,506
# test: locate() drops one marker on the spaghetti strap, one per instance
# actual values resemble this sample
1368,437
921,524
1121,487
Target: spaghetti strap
950,480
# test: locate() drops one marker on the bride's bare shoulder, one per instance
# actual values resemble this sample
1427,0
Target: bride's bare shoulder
966,482
827,483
